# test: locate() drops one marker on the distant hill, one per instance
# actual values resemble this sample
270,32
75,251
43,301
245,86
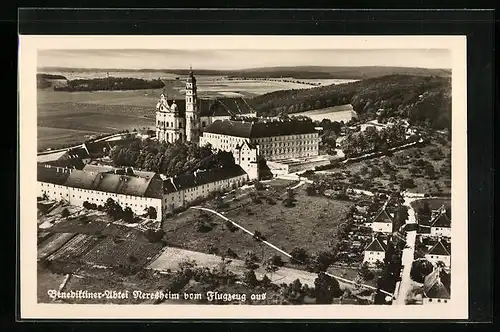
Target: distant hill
49,80
304,72
422,99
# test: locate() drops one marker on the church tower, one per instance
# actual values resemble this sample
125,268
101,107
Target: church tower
169,124
192,116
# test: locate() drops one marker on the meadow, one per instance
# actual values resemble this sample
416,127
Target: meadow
72,117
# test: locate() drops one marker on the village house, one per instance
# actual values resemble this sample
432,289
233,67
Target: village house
436,287
440,252
375,251
383,222
440,224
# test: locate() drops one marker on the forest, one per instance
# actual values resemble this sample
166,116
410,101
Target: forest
423,100
170,159
111,83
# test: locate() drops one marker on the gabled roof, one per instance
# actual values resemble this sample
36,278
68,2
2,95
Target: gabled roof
383,216
437,284
441,220
376,245
251,146
439,249
241,128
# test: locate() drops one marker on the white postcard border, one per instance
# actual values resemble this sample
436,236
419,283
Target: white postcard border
30,309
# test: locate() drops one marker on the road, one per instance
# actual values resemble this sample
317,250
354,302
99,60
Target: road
408,254
339,279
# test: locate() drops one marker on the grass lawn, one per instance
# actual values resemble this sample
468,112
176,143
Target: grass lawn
310,224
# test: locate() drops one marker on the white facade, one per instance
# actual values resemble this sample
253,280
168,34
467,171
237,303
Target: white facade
288,146
183,197
77,196
371,257
244,156
434,259
382,227
433,301
441,231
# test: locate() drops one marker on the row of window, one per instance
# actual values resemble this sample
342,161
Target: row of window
168,124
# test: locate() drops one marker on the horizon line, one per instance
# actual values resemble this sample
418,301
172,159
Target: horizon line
245,68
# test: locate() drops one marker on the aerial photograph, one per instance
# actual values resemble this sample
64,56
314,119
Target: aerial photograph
236,177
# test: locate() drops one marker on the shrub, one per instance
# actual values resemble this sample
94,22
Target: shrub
65,213
154,235
299,255
277,260
250,279
230,253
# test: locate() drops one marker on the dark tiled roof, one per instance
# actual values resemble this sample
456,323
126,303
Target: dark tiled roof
440,249
437,284
78,153
112,183
54,175
203,177
251,146
97,148
217,107
376,245
441,220
260,129
383,216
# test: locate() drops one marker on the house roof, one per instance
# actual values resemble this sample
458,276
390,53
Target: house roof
96,148
437,284
376,245
441,220
44,158
186,181
251,146
440,249
259,129
383,216
51,174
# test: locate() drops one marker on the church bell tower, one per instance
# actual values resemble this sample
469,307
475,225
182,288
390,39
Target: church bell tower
192,116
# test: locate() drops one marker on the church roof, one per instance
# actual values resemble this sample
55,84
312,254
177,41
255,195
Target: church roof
260,129
217,107
376,245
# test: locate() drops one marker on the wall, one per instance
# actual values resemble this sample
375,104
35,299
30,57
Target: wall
53,191
373,256
441,231
382,227
436,258
186,196
288,146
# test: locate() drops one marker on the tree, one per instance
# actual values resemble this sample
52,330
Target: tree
250,279
151,212
420,269
299,255
277,260
250,260
128,215
65,213
365,272
322,261
326,289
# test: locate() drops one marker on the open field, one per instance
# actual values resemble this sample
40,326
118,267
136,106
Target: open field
73,122
310,224
336,113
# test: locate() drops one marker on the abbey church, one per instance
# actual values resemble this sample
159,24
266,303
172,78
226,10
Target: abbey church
186,119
